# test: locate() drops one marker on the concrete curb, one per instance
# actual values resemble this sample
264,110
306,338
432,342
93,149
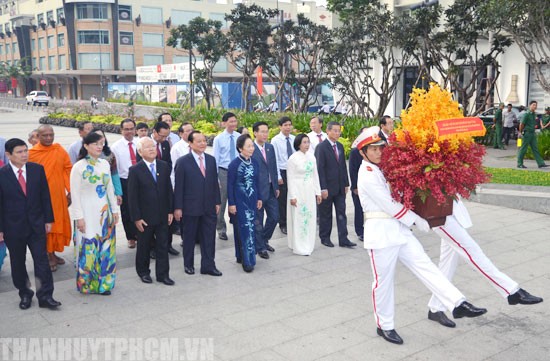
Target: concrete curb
526,198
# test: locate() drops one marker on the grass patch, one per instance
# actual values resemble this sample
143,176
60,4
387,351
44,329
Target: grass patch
521,177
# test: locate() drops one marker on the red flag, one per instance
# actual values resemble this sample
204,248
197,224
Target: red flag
259,81
13,83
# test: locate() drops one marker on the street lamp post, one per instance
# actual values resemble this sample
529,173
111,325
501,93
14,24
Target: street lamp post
100,62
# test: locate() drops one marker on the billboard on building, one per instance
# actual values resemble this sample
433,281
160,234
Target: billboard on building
164,73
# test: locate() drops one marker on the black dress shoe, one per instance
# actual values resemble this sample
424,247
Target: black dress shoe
327,243
441,317
390,336
348,244
167,281
522,166
173,251
190,270
360,238
263,254
26,301
146,279
466,309
106,293
223,236
153,254
283,230
212,272
523,297
49,303
269,248
543,166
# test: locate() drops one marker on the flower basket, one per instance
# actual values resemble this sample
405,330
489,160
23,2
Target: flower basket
432,156
432,211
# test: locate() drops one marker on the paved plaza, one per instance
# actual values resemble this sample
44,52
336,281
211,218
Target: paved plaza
303,308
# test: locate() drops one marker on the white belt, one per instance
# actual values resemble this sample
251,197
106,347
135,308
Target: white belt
372,215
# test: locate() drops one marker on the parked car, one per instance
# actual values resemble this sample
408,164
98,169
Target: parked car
38,97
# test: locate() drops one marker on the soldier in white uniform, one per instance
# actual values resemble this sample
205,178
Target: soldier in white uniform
388,238
457,243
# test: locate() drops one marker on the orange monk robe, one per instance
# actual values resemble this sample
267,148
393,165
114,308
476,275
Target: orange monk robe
57,165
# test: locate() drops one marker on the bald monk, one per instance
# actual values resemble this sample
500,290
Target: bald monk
57,164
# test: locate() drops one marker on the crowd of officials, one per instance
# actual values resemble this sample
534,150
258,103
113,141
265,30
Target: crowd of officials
162,184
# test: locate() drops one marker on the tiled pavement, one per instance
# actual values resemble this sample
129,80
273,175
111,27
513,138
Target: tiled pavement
304,308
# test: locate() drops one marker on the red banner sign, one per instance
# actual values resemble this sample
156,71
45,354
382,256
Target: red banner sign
259,81
471,126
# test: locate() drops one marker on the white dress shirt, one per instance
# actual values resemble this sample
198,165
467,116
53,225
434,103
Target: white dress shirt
179,149
314,140
16,171
279,143
122,154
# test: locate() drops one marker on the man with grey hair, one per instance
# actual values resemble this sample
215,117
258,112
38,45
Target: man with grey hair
33,137
150,201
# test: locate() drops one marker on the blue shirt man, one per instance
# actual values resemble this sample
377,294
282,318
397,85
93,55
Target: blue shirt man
225,150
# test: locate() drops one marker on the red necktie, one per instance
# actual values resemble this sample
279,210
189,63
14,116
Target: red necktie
132,153
320,136
335,152
159,155
22,182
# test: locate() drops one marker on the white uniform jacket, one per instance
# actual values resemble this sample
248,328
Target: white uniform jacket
386,220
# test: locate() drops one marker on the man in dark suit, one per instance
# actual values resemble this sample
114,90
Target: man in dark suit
197,199
355,160
150,199
161,132
333,178
386,127
26,216
268,185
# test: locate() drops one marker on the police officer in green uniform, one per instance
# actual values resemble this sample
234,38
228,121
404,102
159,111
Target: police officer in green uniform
497,124
545,122
527,132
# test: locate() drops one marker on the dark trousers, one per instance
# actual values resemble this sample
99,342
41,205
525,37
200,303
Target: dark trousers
283,194
202,228
129,226
264,232
508,133
358,217
325,218
221,226
159,232
42,275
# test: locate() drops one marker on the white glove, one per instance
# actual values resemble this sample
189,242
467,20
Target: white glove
422,224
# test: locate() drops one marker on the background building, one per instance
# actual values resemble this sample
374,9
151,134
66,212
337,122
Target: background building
78,47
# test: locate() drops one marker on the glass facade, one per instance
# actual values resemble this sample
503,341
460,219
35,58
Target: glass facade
91,11
93,37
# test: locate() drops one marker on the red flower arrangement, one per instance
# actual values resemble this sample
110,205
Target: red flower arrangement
415,171
420,163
